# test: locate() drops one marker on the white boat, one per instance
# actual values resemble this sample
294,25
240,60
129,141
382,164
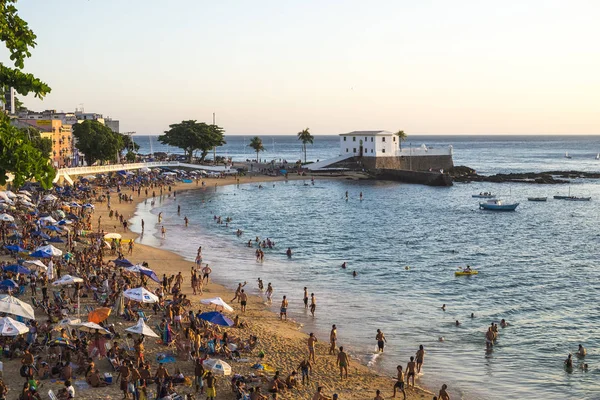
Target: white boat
598,156
567,155
498,205
484,195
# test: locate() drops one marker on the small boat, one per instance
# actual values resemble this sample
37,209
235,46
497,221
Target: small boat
484,195
567,155
598,156
498,205
466,273
575,198
537,198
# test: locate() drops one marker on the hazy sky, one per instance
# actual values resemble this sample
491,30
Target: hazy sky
276,67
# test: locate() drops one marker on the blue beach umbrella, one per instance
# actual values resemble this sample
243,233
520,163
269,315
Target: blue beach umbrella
215,317
40,254
53,228
15,236
56,239
41,235
9,283
16,268
123,262
15,248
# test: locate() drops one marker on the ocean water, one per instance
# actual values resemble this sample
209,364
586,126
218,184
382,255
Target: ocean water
538,265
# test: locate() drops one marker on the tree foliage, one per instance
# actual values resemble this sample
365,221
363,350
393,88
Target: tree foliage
19,40
257,144
21,158
305,136
42,144
97,142
191,136
129,144
401,137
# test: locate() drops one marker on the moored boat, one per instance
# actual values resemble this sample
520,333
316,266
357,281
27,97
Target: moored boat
484,195
498,205
466,273
575,198
567,155
537,198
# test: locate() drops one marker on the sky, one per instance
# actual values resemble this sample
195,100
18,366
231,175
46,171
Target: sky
277,67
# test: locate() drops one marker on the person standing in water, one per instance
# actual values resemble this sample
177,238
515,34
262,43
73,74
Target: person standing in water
283,310
419,357
305,297
361,196
381,340
410,372
269,293
346,195
313,304
186,221
163,231
160,217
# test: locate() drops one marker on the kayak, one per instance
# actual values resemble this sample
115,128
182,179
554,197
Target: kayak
464,273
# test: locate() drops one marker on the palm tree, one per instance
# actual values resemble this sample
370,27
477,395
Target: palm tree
401,137
305,137
257,144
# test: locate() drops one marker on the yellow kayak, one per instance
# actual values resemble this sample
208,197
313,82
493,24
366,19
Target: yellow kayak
463,273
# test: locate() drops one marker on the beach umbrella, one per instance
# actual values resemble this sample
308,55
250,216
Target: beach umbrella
65,222
10,194
25,192
17,269
142,329
15,248
10,327
56,239
215,317
112,236
48,219
90,177
36,263
8,284
6,218
218,367
123,262
66,323
14,306
88,205
50,197
99,314
61,342
15,236
217,302
67,280
141,295
4,206
53,228
41,235
144,271
49,249
91,327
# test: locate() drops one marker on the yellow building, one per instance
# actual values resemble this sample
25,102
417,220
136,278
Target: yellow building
61,136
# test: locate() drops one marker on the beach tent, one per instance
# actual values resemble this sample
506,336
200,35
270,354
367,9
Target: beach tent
218,367
217,302
142,329
14,306
141,295
215,317
10,327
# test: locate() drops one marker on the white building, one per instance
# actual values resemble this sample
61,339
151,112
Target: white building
369,144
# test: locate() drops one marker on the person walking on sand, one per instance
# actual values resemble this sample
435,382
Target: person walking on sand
306,368
238,291
312,340
313,304
342,362
399,385
381,340
206,273
283,310
243,300
419,358
332,340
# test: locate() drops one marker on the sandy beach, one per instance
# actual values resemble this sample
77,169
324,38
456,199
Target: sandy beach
283,343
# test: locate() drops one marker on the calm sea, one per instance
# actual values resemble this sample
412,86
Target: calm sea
538,265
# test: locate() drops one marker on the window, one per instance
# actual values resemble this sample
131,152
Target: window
346,149
365,138
383,139
371,150
344,138
354,150
371,139
354,138
394,138
383,150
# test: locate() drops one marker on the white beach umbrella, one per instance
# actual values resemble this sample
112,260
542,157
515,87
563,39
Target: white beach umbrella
112,236
22,196
141,295
66,323
14,306
90,177
3,206
67,280
142,329
48,219
25,192
6,218
10,194
218,302
91,327
50,250
50,197
36,263
10,327
144,170
218,367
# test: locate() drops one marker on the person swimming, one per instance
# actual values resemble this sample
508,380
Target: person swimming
581,352
569,362
503,323
344,265
354,274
